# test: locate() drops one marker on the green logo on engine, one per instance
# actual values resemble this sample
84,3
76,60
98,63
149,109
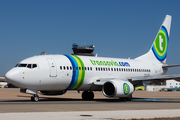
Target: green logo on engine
126,88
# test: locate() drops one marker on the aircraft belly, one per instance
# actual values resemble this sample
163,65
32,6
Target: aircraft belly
63,81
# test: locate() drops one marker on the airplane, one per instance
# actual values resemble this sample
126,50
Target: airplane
115,77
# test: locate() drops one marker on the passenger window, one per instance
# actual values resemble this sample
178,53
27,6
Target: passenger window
29,66
76,68
73,68
64,68
96,68
111,69
67,68
60,67
88,68
91,68
82,68
79,68
70,68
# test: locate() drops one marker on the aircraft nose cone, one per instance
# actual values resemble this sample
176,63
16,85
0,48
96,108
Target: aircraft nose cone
12,76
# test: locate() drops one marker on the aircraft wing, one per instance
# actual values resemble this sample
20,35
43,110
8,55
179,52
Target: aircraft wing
137,80
156,77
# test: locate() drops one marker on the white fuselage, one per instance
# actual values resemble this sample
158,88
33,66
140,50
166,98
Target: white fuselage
63,72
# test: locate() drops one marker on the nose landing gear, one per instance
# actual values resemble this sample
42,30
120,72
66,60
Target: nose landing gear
35,98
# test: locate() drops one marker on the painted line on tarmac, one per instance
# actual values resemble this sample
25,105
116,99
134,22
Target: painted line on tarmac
155,100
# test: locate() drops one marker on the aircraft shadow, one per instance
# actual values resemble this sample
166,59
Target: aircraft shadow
50,99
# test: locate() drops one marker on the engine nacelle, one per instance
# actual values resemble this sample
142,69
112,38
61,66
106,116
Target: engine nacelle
117,88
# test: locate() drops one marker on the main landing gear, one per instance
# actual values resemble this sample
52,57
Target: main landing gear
87,95
125,98
35,98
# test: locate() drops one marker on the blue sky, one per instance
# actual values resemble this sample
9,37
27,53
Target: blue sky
117,28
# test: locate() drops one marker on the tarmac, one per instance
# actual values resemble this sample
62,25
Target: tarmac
144,104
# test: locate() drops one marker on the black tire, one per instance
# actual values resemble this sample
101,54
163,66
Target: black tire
122,99
87,95
90,95
125,98
129,98
35,98
32,98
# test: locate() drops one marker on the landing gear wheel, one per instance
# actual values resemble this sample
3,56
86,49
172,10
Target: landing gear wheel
91,95
129,98
125,98
35,98
122,99
87,95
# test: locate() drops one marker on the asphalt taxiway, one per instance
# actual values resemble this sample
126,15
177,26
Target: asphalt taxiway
12,101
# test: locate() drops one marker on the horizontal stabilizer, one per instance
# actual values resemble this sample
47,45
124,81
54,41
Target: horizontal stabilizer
171,66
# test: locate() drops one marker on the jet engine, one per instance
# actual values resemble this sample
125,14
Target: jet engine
117,88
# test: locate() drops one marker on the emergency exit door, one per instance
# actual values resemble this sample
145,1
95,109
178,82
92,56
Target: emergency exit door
53,68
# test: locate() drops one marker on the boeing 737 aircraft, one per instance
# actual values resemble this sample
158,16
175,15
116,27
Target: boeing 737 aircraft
55,74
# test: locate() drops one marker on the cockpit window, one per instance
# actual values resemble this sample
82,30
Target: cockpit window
16,65
22,65
29,66
26,65
34,65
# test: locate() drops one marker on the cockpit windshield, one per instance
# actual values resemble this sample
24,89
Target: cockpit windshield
26,65
22,65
